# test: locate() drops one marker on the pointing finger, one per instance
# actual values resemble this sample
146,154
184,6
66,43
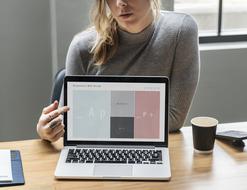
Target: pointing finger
56,113
50,108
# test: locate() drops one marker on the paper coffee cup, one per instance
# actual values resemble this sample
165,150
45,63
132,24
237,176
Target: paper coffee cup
204,131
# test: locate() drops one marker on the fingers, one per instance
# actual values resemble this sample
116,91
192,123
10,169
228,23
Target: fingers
50,126
57,130
57,133
50,116
50,108
52,134
58,136
53,123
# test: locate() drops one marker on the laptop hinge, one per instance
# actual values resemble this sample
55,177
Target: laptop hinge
116,146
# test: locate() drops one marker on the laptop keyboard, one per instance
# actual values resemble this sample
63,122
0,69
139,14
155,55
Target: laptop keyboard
116,156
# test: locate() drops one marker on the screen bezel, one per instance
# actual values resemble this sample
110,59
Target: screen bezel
124,79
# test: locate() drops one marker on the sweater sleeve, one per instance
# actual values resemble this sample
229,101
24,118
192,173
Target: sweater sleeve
185,73
74,64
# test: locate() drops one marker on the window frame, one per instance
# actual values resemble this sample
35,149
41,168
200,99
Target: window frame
219,37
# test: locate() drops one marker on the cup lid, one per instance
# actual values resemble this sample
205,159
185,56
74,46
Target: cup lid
204,121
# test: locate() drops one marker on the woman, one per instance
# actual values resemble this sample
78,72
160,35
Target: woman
133,37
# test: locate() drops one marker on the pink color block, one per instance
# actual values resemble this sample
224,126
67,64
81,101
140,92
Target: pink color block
147,114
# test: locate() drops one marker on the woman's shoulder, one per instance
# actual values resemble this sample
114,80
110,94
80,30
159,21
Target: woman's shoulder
177,20
84,39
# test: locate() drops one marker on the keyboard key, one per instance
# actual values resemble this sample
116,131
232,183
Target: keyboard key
159,162
131,162
145,162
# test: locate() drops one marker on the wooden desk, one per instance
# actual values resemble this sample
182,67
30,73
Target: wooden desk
225,169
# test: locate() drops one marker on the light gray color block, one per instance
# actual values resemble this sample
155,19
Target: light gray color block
91,114
122,104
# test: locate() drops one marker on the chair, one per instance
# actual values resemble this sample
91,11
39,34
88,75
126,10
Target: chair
57,85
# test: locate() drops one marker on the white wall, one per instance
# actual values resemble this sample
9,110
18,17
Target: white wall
25,66
222,90
70,17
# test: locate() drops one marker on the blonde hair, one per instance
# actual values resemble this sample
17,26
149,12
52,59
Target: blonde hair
106,42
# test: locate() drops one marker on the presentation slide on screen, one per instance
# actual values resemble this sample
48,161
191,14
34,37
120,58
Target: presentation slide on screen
116,111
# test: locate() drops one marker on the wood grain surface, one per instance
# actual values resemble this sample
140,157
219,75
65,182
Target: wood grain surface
225,168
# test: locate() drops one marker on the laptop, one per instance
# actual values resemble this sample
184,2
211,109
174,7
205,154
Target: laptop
117,128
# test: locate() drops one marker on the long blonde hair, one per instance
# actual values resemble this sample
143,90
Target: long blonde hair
106,42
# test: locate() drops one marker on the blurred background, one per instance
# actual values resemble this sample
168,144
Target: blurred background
35,35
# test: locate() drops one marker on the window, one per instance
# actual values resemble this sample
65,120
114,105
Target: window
234,17
218,20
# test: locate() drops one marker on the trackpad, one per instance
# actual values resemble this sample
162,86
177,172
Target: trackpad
112,170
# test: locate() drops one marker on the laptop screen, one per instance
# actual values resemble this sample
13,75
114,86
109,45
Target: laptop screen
116,111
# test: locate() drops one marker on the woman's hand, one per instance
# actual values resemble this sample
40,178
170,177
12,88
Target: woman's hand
50,126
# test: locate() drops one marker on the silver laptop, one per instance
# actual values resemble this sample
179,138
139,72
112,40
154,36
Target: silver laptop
117,128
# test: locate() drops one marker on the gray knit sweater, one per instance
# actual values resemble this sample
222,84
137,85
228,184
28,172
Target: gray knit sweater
168,47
